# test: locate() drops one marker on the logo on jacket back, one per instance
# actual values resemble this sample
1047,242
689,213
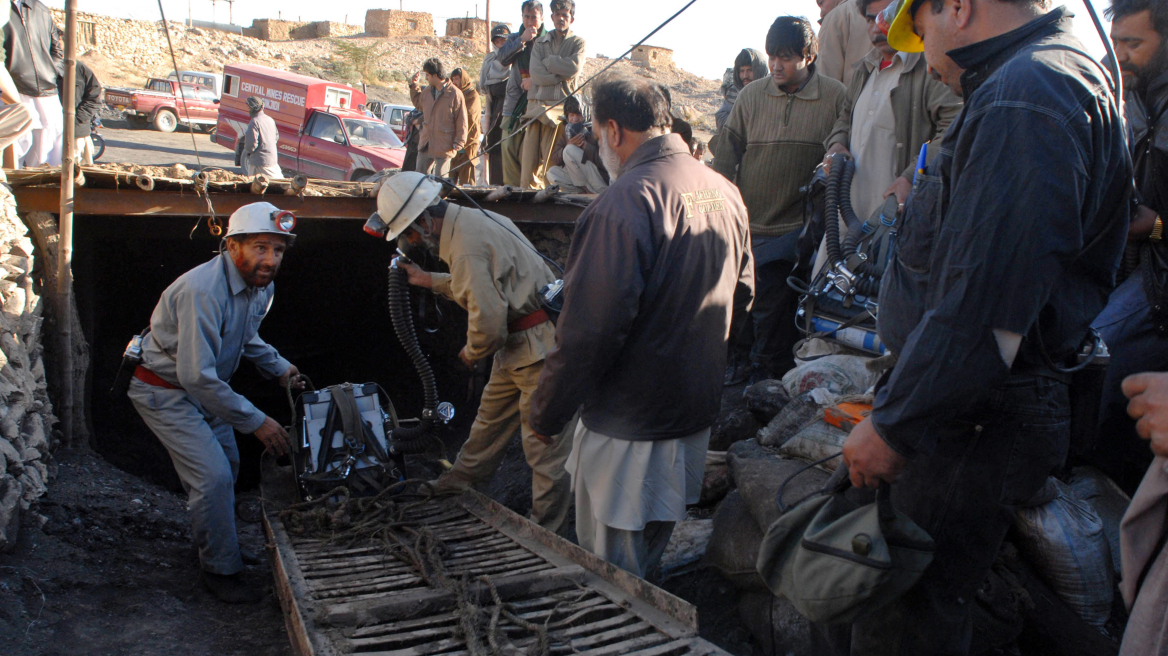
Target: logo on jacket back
702,202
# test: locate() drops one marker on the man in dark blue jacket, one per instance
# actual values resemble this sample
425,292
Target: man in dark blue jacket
1008,250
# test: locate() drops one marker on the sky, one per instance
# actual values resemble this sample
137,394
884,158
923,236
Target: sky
705,39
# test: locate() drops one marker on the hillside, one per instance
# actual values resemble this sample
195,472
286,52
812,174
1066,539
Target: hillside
127,52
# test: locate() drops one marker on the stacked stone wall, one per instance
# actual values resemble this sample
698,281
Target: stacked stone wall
391,22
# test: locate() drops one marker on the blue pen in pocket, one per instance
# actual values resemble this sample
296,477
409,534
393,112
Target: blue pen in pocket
921,159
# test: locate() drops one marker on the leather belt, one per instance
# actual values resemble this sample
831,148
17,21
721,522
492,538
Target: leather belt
150,378
530,321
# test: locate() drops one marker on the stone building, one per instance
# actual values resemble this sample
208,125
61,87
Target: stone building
470,28
391,22
270,29
653,57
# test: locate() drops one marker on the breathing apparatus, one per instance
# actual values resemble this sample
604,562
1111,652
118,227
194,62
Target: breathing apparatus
840,303
414,192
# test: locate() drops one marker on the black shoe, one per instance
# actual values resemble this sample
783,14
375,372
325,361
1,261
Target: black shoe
232,588
249,557
736,373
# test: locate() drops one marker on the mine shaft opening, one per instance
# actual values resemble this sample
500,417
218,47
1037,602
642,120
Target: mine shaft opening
330,318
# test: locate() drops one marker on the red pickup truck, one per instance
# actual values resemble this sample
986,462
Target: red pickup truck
159,105
321,134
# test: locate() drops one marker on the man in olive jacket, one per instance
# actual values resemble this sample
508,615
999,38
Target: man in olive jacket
893,107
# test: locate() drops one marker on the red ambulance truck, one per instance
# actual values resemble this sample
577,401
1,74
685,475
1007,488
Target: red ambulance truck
321,133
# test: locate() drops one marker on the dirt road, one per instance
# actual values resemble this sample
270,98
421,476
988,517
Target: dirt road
151,147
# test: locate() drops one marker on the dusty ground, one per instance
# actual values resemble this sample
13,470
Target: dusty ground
111,571
151,147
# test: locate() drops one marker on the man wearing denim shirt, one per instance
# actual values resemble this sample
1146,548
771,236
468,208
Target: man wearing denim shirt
1008,250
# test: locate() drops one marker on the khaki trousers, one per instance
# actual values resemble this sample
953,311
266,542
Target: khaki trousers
505,409
537,143
511,148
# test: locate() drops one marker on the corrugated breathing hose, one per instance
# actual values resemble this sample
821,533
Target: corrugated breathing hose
409,438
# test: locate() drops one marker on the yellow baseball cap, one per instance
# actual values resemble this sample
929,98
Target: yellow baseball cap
900,33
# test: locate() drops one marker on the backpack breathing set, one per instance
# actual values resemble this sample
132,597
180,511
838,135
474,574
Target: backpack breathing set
841,302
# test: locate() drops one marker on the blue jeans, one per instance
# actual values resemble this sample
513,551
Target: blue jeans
1128,328
964,495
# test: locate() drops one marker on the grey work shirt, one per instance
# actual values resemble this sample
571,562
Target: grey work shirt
260,143
204,322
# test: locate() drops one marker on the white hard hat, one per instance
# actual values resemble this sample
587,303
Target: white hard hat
257,218
400,200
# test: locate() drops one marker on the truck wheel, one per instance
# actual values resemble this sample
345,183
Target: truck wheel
361,175
165,121
211,131
239,152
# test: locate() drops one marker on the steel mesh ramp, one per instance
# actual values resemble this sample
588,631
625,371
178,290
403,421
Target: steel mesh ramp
558,598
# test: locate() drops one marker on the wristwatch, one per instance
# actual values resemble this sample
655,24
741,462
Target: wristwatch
1157,229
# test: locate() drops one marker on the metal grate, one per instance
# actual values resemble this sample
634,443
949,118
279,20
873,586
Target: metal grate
343,574
598,626
355,599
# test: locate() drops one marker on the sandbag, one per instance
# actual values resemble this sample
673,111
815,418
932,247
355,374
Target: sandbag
759,472
815,442
716,479
734,426
778,629
1106,497
733,546
800,412
839,374
1063,540
765,399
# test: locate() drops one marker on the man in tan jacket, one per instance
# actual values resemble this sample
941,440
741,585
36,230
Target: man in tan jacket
557,62
496,275
444,124
474,128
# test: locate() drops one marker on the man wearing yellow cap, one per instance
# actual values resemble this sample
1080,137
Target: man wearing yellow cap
1007,251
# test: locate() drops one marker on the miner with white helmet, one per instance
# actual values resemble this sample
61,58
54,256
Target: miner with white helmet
204,323
496,275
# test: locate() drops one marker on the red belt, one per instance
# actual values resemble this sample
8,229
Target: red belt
150,378
530,321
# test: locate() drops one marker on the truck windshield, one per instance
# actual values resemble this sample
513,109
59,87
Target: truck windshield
371,133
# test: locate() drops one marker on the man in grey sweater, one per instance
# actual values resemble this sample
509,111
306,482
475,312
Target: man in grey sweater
259,145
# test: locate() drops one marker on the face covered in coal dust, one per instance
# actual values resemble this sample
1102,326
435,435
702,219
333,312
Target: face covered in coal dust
257,257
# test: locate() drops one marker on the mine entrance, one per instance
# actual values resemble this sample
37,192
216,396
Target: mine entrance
329,317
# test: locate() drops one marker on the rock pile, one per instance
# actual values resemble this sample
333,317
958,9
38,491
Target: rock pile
26,414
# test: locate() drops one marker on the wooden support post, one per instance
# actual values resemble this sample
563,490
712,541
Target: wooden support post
65,251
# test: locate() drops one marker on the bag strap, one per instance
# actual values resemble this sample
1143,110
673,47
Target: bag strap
830,487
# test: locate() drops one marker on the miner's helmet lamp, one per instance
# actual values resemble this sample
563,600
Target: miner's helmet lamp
258,218
400,201
898,17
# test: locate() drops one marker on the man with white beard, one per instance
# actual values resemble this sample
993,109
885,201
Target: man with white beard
641,342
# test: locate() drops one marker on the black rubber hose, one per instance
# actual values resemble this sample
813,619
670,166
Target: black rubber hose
845,196
831,207
403,325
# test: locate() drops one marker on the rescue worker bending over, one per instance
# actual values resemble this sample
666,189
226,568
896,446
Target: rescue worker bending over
495,274
204,323
1008,249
